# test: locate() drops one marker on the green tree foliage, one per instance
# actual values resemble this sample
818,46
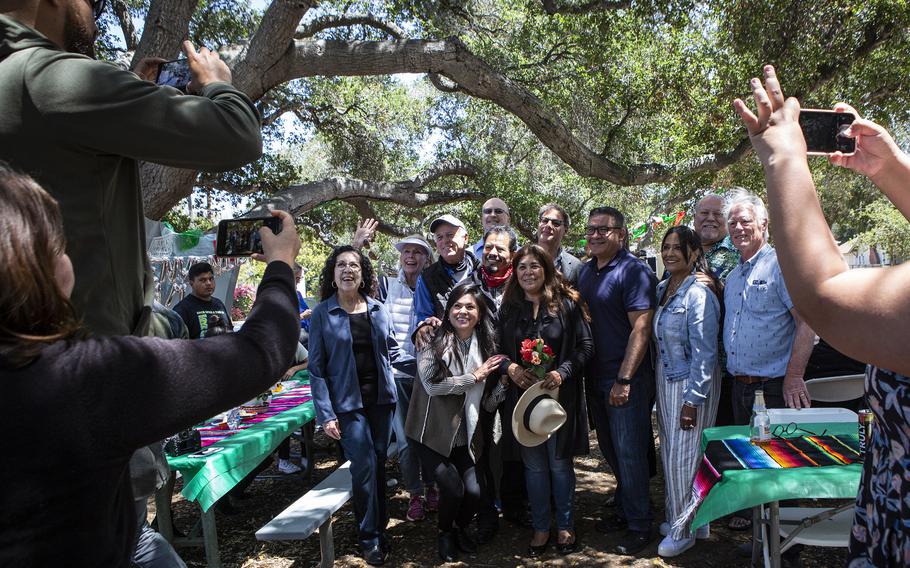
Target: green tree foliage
645,84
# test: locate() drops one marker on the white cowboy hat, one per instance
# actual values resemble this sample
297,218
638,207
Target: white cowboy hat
537,415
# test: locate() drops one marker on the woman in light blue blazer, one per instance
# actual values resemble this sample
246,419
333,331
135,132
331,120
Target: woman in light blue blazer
352,350
686,325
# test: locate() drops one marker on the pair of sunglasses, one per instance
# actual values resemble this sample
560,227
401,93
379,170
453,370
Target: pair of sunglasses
781,430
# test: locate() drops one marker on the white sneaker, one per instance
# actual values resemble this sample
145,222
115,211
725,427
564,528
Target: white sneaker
670,547
701,532
286,467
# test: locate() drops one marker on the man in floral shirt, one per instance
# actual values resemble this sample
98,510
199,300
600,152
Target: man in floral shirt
712,228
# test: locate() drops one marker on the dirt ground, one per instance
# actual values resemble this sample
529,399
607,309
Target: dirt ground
414,544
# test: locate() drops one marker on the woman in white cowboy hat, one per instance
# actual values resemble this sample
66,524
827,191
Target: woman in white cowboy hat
538,303
442,419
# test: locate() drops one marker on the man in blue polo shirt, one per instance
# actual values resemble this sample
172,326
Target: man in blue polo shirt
768,345
620,292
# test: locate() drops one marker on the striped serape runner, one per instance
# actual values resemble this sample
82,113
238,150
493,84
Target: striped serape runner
285,400
740,453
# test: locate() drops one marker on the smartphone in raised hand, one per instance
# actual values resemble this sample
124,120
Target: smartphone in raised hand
175,74
823,131
240,237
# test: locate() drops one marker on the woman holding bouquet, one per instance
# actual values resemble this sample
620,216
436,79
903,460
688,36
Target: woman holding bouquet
445,406
539,304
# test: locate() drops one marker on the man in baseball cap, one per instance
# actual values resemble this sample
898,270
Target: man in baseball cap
453,266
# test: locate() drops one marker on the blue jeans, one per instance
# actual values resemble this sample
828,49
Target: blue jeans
408,458
365,437
545,476
624,436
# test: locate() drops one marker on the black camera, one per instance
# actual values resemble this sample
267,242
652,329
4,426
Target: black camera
185,442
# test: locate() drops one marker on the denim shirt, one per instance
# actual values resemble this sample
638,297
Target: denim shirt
758,326
685,331
333,372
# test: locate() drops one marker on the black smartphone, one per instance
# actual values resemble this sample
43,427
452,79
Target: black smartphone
240,237
175,74
823,131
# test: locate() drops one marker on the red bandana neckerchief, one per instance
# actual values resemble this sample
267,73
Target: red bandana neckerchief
493,280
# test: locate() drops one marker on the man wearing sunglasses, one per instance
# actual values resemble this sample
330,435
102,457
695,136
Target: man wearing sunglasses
552,226
620,291
494,213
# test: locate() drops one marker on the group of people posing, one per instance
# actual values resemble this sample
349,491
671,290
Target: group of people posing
89,395
482,426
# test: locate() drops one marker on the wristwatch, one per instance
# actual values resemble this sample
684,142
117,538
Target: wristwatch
624,381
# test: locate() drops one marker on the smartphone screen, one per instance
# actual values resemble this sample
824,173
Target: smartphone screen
175,74
240,237
822,130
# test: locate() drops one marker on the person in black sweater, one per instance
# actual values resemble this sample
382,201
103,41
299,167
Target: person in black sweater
76,407
204,314
539,303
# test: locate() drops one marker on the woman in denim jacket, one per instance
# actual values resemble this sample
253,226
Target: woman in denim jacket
685,332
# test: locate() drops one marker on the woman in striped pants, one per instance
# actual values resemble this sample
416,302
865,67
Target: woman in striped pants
688,387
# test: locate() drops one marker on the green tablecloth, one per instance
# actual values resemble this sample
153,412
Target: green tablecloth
744,489
207,479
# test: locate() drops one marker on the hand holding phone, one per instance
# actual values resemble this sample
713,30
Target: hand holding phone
241,237
875,148
175,74
205,67
824,130
283,245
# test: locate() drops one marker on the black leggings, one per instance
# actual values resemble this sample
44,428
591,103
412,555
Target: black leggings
456,478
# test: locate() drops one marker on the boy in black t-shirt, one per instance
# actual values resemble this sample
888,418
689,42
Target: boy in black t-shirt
204,315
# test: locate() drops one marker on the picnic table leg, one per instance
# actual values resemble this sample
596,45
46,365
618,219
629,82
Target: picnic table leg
326,545
163,508
757,543
309,449
774,534
210,538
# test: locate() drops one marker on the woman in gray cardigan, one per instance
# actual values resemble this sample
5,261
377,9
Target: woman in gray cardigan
445,405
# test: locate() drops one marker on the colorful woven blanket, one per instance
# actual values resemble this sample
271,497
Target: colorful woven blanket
285,400
739,453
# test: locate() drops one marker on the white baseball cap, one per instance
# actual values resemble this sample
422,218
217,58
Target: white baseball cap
450,219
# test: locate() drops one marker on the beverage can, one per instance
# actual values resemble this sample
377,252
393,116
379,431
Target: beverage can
865,430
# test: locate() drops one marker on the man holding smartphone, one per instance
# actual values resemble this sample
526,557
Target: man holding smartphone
80,126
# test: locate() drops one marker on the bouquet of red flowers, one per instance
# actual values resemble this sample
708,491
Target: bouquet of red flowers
535,355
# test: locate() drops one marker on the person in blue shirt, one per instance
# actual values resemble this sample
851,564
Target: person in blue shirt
352,350
619,290
686,326
493,213
767,342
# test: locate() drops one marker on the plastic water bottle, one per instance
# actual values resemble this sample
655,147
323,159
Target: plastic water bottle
760,424
233,418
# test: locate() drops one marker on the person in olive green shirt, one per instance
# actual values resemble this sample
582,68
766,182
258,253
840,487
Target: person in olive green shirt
80,126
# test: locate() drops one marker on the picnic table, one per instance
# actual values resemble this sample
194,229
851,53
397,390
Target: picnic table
227,457
753,488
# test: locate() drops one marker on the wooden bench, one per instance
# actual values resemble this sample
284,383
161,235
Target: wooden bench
311,512
314,512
